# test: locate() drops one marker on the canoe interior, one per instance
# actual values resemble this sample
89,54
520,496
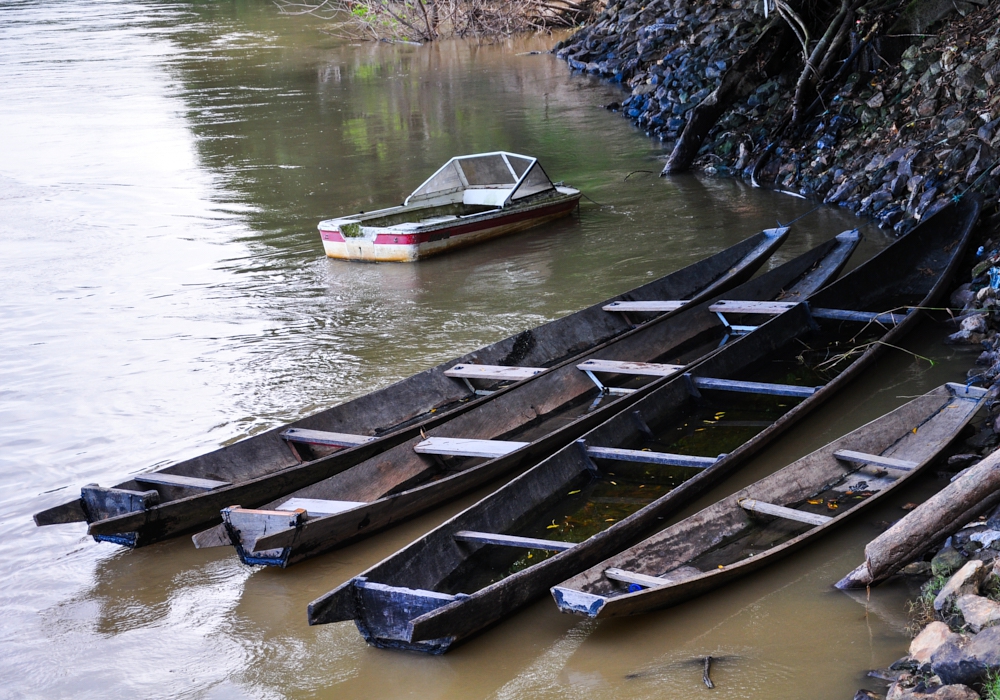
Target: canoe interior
424,399
420,214
487,584
558,407
724,541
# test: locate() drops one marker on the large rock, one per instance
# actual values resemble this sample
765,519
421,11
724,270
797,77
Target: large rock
942,692
965,580
968,664
930,640
978,612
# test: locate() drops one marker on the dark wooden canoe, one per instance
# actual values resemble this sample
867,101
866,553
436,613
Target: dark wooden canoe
544,415
745,531
587,501
188,495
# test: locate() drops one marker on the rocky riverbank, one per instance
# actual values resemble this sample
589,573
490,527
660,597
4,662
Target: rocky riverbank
957,652
893,136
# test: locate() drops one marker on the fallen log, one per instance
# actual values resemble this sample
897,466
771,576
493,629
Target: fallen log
961,501
748,71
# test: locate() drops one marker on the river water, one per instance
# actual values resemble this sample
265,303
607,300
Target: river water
163,291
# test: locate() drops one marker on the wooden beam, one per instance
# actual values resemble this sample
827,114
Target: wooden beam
495,372
782,512
322,437
665,458
632,577
185,482
319,506
860,316
771,308
511,541
651,369
464,447
755,387
903,465
645,305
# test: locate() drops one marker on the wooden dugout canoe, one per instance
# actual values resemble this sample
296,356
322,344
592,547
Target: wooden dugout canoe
541,416
777,515
502,552
149,507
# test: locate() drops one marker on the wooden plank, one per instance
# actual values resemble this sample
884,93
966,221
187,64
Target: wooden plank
632,577
860,316
319,506
782,512
771,308
511,541
651,369
904,465
463,447
497,372
651,457
401,592
185,482
323,437
755,387
644,305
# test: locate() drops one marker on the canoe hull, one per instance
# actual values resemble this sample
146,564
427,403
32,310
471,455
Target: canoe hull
265,467
917,431
560,386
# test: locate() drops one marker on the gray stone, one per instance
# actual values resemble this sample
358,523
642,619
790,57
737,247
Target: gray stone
975,323
917,568
946,561
968,663
965,580
978,612
930,639
962,461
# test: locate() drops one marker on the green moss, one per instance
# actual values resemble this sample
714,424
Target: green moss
351,230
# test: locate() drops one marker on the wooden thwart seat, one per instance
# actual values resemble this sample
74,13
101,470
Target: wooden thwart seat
632,577
511,541
653,306
903,465
650,369
770,308
754,387
783,512
664,458
464,447
185,482
496,372
860,316
319,506
322,437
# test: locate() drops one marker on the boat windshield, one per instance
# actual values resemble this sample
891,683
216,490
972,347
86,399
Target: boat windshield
512,176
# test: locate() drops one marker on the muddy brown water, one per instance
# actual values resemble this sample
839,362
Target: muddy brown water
163,291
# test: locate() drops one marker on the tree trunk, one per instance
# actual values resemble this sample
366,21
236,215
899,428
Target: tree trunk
956,504
738,81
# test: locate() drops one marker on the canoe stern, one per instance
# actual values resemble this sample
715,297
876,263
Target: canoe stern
383,614
100,503
578,602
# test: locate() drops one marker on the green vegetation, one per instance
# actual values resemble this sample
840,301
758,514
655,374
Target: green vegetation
991,687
